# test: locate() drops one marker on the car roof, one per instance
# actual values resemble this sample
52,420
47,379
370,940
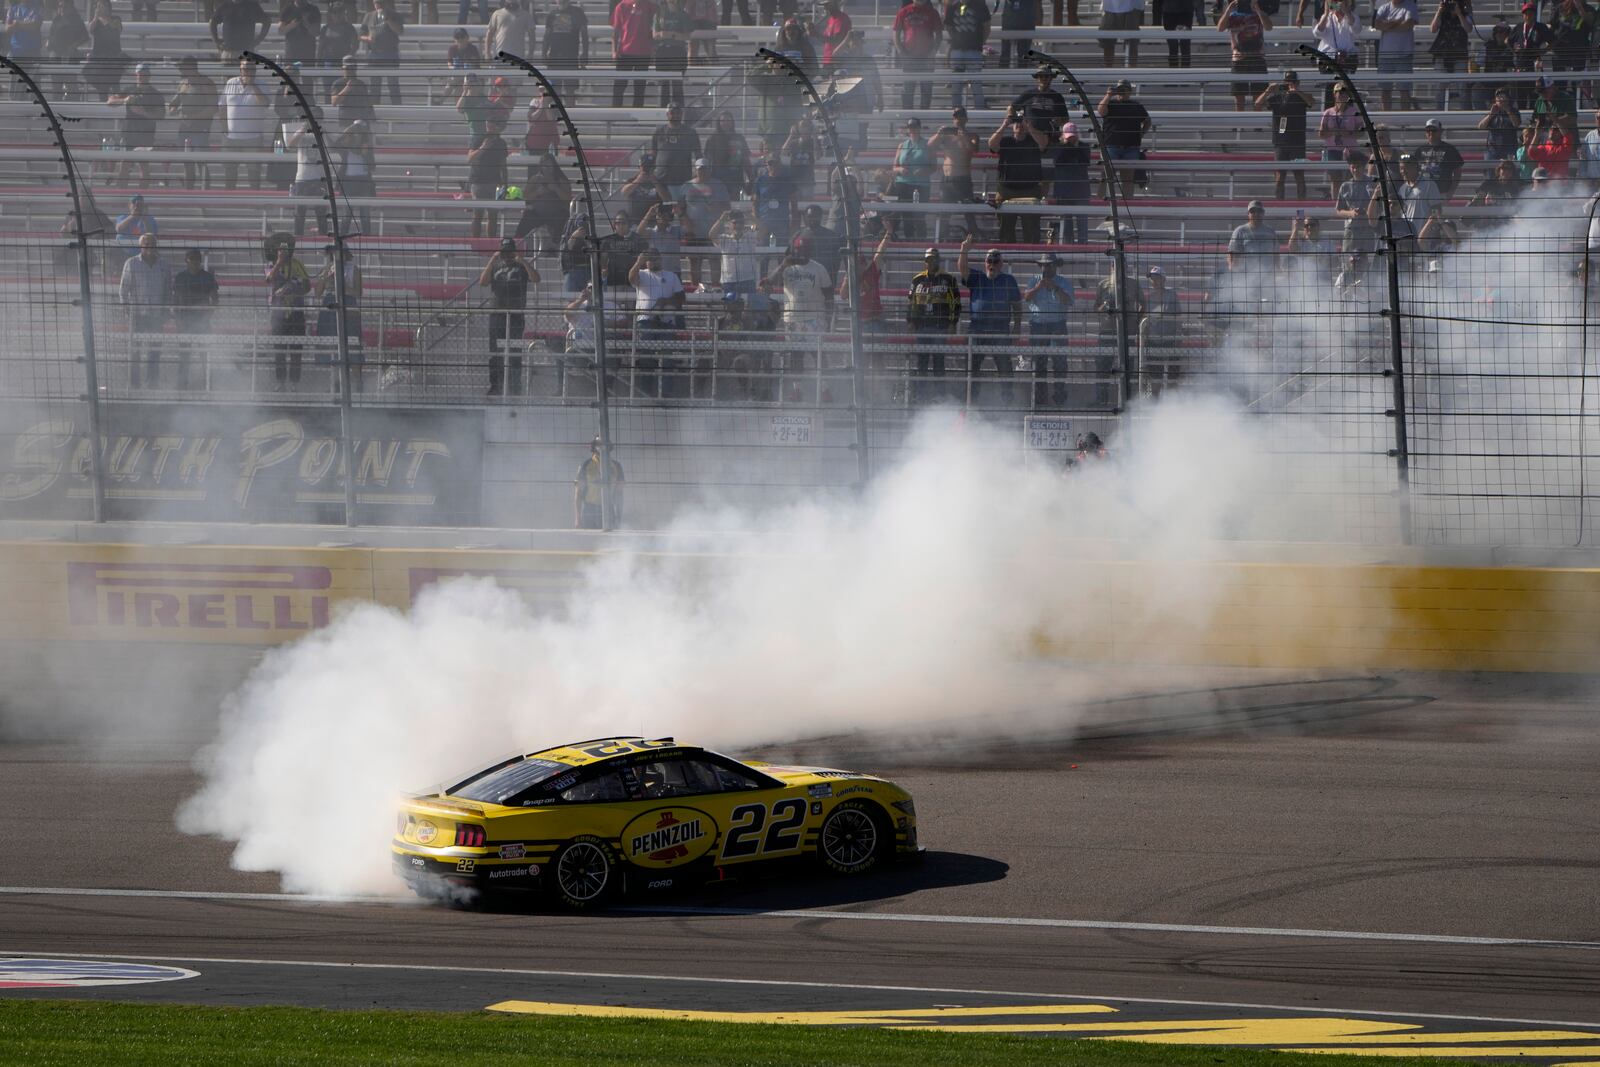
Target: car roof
599,749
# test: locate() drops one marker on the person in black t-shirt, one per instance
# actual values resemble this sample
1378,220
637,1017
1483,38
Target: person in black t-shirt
237,25
1288,104
1020,148
1042,106
1126,122
486,173
508,279
1440,159
194,292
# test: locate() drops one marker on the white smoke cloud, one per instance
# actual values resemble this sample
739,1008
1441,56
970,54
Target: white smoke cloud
911,608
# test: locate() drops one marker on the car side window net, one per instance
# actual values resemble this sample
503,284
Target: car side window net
605,786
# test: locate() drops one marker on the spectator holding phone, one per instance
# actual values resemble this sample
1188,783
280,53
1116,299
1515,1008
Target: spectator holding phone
1289,105
1246,26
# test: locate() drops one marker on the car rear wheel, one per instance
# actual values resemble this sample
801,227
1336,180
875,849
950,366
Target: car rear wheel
854,838
582,873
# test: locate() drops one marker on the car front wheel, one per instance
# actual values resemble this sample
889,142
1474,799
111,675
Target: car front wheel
582,873
854,838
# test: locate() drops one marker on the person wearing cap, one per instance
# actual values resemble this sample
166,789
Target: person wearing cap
1289,105
966,26
1396,23
933,312
632,48
1255,242
237,26
706,200
508,279
735,240
247,113
194,105
588,490
915,37
658,299
146,291
1502,125
1120,15
676,146
955,146
1070,185
1529,42
913,175
1043,107
808,292
143,107
996,312
1246,24
644,190
1048,300
194,295
1555,106
352,98
135,224
1126,122
1020,151
1158,333
1440,159
1553,151
1351,204
1020,18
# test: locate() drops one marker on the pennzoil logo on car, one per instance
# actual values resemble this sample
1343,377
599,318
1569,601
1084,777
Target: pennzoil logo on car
424,831
667,837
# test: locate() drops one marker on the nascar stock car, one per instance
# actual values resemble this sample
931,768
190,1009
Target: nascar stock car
594,819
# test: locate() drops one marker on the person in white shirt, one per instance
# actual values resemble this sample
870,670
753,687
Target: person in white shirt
510,29
807,290
308,178
1589,153
657,294
247,110
146,289
736,240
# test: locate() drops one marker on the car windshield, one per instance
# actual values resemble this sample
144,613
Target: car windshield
503,783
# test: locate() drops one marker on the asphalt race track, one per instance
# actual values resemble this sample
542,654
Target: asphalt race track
1361,848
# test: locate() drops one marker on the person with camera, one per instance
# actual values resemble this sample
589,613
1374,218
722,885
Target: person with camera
658,299
1396,23
1501,126
955,146
933,312
288,284
1048,300
1453,30
1246,25
508,279
1043,106
1289,105
1126,123
1020,149
1338,36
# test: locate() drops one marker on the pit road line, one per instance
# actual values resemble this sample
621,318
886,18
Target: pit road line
859,916
792,984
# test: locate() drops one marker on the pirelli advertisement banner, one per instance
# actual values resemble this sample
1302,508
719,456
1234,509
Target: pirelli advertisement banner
226,463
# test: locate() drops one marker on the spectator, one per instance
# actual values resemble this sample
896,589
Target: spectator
1340,130
702,19
352,98
1500,188
780,104
574,261
834,31
146,291
744,13
237,26
473,106
464,13
1048,301
966,26
1440,159
337,39
1070,178
1019,19
1417,203
633,47
486,173
774,199
620,249
67,35
933,311
566,43
729,155
1338,36
955,145
915,33
325,289
675,146
1529,136
659,300
1529,41
1571,35
137,224
1396,23
194,105
508,279
996,312
800,151
1502,124
1453,30
301,24
1120,15
1554,151
588,491
736,241
308,181
1177,16
854,92
1289,104
194,295
1589,153
827,245
706,200
1254,240
807,289
1158,334
543,137
143,107
913,174
545,197
1497,59
1246,25
24,31
462,55
1306,244
1554,106
380,32
1107,305
357,167
1351,205
1044,108
869,308
672,29
644,191
502,100
1126,122
287,287
103,67
1021,173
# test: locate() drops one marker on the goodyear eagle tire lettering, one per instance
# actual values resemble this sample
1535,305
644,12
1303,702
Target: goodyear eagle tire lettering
854,838
584,873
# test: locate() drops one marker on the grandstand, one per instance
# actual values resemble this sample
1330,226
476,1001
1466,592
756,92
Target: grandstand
1295,333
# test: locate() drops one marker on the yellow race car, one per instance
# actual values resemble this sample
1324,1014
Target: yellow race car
589,821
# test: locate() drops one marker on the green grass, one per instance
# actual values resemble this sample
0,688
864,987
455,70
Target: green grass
84,1033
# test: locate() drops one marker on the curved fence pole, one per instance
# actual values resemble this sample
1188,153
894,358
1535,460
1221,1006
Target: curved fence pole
852,229
330,188
1119,247
91,366
1401,451
1587,271
597,292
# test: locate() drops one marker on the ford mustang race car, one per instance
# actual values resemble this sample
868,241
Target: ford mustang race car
593,819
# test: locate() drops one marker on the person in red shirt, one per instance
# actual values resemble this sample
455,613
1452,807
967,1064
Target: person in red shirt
632,45
1554,151
835,28
917,32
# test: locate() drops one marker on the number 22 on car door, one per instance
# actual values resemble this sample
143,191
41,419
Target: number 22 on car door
770,829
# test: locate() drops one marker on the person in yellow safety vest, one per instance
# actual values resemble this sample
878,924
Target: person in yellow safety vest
587,490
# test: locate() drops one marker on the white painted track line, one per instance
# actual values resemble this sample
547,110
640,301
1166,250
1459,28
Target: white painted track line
855,916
